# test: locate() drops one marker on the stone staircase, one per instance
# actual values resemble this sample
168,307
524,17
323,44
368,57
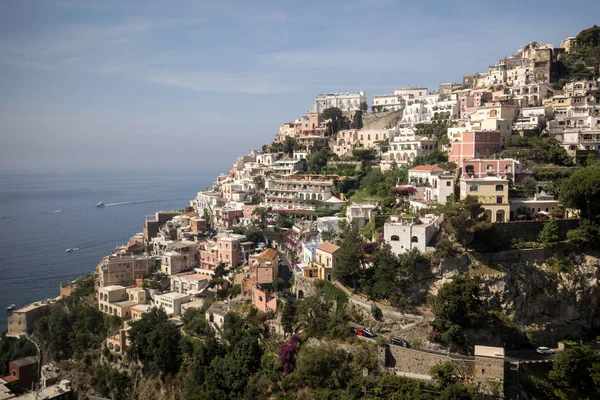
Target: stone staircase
511,382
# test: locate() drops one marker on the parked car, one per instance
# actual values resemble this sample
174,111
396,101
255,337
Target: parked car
544,350
398,341
365,332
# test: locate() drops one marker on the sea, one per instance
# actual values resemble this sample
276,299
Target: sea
42,215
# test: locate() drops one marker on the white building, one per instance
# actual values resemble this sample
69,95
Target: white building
388,102
405,150
192,284
438,183
405,234
361,213
343,101
118,300
171,302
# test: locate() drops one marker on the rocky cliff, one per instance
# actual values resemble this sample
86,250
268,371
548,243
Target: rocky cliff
549,293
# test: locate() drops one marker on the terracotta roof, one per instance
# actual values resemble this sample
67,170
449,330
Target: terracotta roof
426,168
328,247
268,255
192,214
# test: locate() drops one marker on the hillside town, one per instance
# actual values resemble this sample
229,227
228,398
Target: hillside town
346,231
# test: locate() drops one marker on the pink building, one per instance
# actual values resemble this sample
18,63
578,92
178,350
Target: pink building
248,209
229,248
228,217
469,100
507,168
475,145
264,299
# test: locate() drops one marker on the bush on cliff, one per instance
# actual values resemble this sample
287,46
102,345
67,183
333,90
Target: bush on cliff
457,306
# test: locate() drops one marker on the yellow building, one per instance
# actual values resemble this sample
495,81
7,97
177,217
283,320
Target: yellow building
322,267
492,193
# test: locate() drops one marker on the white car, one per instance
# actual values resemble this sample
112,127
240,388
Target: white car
544,350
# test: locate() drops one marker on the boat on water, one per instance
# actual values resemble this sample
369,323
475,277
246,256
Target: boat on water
11,307
68,250
100,205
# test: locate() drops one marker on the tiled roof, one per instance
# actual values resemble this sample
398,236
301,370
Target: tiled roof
429,168
328,247
268,255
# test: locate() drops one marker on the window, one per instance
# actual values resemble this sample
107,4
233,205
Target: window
448,183
499,188
395,238
490,167
414,239
499,199
470,169
473,188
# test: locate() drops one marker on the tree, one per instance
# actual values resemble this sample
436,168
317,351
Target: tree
550,232
582,191
350,258
364,107
290,145
324,366
463,218
575,372
457,306
385,275
442,373
288,316
155,342
278,284
529,186
259,182
262,213
316,161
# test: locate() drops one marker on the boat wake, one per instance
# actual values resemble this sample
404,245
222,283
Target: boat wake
124,203
57,211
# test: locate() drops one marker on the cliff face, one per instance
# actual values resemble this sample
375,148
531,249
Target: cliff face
549,294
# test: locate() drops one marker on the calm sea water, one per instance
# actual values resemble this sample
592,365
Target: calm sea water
43,215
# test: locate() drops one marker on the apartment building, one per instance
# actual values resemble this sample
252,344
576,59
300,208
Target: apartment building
404,234
123,269
299,192
475,145
343,101
171,302
438,184
492,193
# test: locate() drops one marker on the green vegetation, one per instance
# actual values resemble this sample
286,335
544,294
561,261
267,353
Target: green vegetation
536,150
12,349
110,382
582,191
464,218
72,328
550,232
155,342
457,306
582,63
443,373
575,374
351,256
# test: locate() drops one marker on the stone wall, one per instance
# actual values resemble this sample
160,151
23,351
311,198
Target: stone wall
419,362
304,287
502,234
488,370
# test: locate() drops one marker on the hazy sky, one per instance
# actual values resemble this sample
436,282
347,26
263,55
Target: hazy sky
183,85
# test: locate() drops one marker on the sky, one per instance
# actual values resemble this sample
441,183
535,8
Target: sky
115,85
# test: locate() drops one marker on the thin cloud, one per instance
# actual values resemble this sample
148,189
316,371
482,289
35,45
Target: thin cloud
222,82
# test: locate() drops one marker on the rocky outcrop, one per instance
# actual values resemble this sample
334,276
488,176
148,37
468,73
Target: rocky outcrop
549,293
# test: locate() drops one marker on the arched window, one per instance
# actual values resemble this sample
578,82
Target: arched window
414,239
499,188
260,298
395,238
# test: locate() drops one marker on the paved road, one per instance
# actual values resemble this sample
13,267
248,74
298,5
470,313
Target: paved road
285,269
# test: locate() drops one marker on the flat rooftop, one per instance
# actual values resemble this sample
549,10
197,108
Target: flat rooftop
173,295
